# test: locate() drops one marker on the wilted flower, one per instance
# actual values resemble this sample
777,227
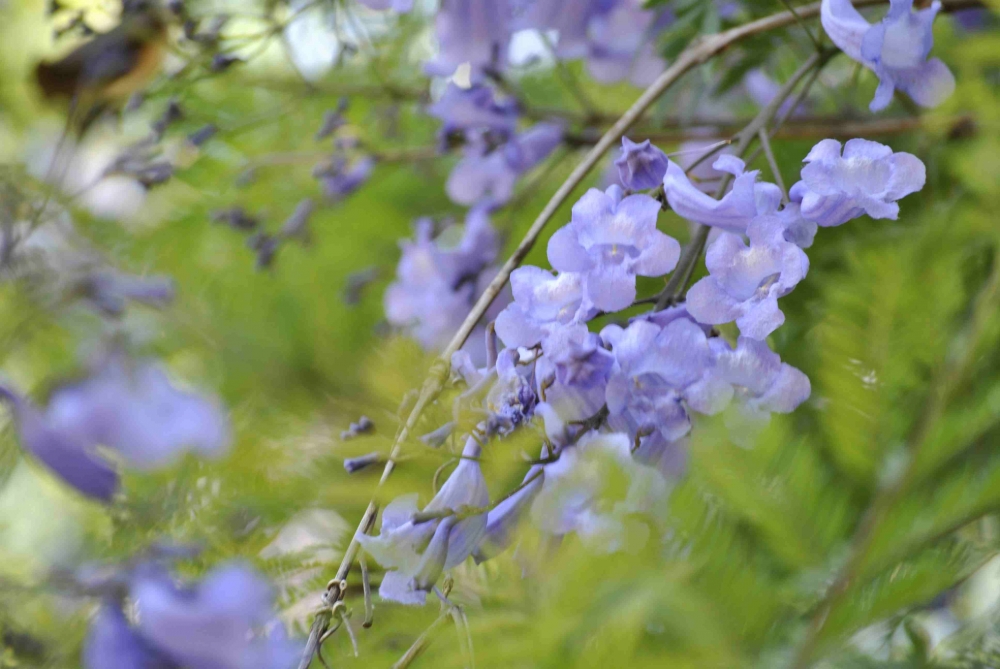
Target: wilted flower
868,179
745,282
641,166
896,49
610,240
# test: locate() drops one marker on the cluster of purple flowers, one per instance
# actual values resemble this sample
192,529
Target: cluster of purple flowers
627,397
149,621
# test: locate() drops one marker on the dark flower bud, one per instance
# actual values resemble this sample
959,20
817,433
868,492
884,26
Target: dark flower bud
357,464
266,247
199,137
172,113
297,224
222,62
236,218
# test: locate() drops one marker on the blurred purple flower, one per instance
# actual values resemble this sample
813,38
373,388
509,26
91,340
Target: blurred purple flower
489,174
641,166
579,496
465,109
610,240
761,382
67,453
503,519
623,44
436,281
112,643
896,49
476,32
868,179
578,357
745,282
401,6
340,179
224,622
569,18
132,408
127,406
221,623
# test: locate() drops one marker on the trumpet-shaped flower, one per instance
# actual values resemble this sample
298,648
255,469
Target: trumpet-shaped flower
896,49
610,240
746,199
745,281
867,179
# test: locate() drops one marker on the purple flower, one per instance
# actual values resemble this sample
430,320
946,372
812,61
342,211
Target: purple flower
735,210
578,357
529,148
465,109
221,623
641,166
659,372
579,496
416,553
745,282
488,174
541,302
436,282
623,44
400,6
471,31
896,49
610,240
761,382
868,179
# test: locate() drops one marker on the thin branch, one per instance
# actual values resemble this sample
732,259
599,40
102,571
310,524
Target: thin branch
765,145
802,24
